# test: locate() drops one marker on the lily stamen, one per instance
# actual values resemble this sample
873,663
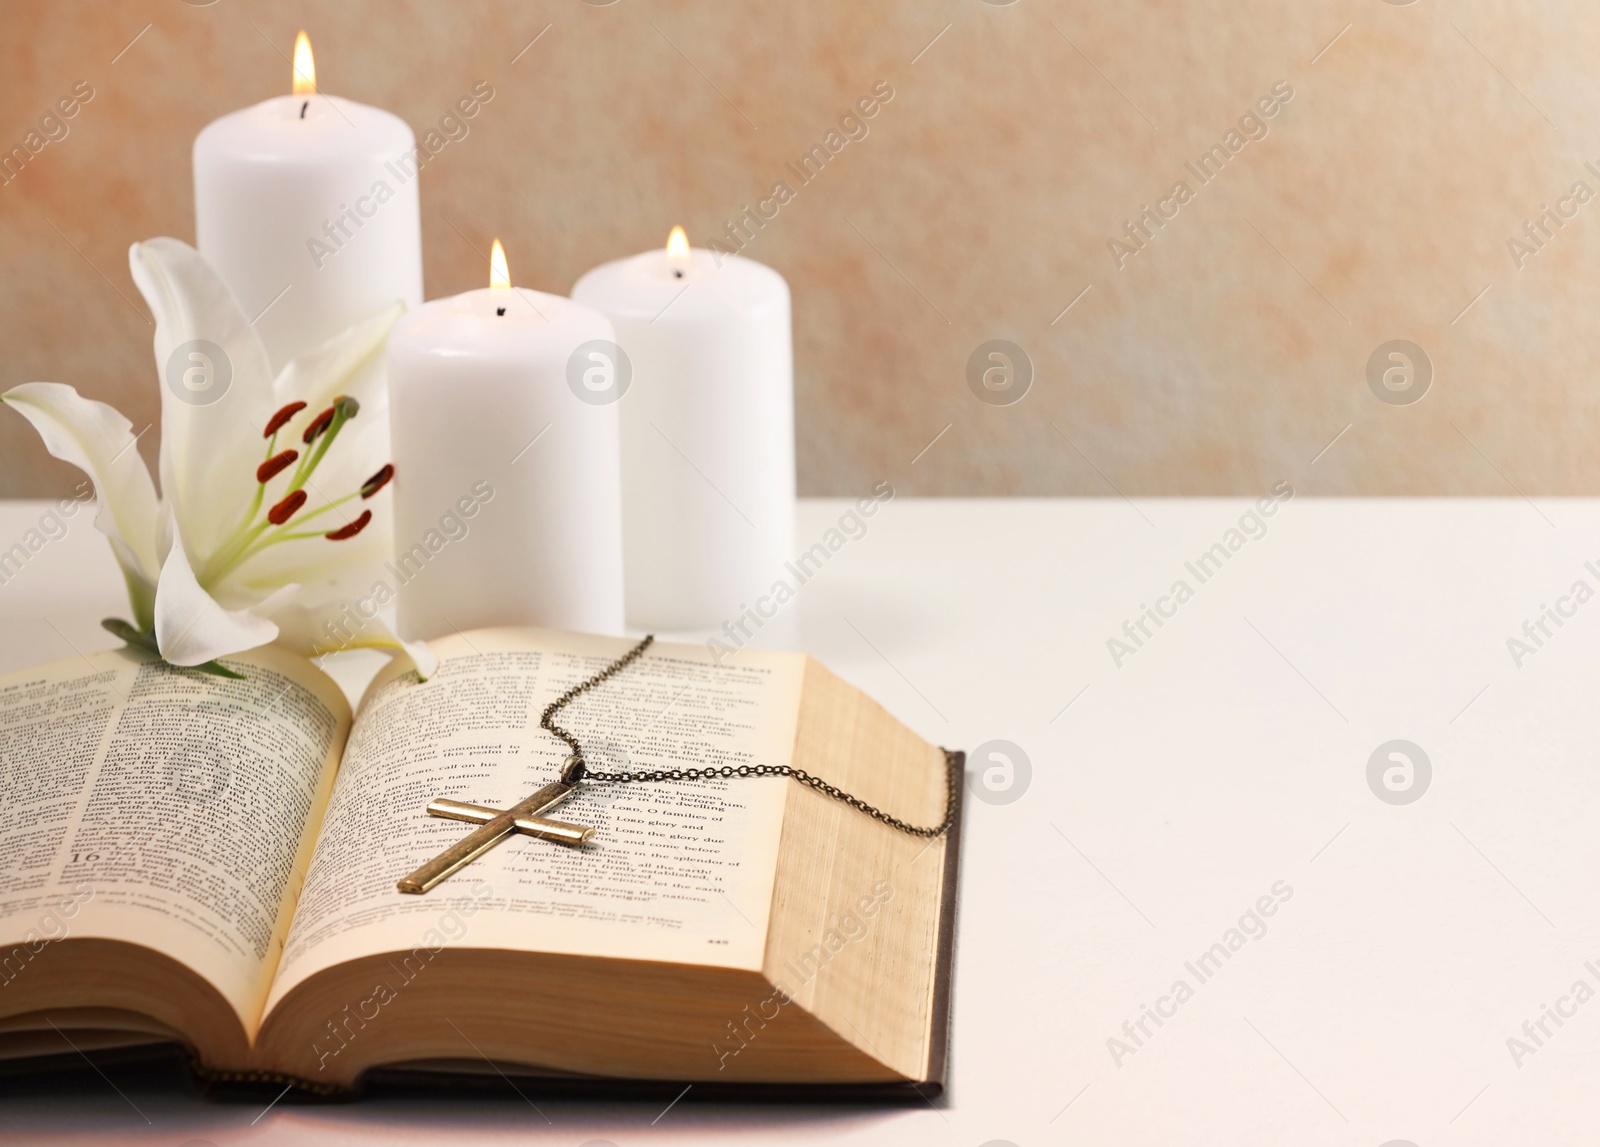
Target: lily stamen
326,427
252,536
278,420
352,529
378,481
276,465
286,509
318,424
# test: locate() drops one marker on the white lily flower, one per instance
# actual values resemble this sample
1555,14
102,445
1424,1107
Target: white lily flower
242,548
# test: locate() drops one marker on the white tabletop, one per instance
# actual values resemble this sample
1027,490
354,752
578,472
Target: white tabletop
1227,756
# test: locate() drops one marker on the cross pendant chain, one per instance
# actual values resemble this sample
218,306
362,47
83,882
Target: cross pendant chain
494,825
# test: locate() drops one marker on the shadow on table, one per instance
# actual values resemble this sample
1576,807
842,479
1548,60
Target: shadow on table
113,1093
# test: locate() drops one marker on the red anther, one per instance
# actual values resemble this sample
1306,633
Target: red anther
287,508
318,424
276,465
279,419
352,529
378,481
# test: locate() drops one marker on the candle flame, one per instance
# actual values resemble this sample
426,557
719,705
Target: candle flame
499,274
677,244
305,70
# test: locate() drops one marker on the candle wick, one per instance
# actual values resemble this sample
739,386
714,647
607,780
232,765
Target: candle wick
500,310
303,108
677,273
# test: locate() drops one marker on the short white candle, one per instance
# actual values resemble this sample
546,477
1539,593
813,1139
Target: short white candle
507,503
306,206
708,481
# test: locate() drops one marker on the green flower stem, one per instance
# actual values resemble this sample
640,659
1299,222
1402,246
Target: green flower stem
309,463
261,488
243,534
320,510
232,553
290,538
281,536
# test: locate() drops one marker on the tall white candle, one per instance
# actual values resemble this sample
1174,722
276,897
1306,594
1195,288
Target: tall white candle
306,205
507,503
707,430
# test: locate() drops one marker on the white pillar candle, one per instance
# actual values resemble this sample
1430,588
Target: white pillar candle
508,502
306,206
707,430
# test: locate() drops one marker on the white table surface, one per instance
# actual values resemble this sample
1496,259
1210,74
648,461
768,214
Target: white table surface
1227,754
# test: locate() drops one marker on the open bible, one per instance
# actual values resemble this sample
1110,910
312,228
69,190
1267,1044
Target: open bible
192,860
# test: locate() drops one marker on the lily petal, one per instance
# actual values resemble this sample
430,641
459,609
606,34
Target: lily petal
335,625
352,363
323,372
215,397
99,441
191,628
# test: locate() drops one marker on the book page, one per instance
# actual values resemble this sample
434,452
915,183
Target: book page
676,872
162,807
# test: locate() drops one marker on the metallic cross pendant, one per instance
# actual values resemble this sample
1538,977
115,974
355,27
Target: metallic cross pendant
494,826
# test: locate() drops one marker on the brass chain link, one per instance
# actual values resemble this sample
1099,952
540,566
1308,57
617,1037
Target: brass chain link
577,768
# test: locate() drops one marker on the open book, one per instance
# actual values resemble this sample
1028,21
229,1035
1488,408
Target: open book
190,858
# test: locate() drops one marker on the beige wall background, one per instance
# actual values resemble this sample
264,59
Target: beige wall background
1225,355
